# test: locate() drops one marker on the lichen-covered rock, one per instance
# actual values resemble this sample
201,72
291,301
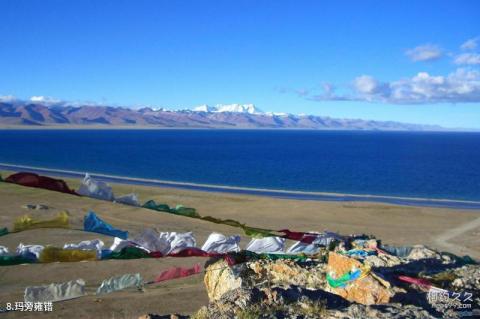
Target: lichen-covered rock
422,252
293,302
464,281
467,278
299,303
220,278
395,311
287,272
382,260
367,289
365,243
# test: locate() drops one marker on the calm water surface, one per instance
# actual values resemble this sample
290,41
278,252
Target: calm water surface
413,164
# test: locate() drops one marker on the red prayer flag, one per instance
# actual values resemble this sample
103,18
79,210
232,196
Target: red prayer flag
38,181
417,281
306,238
194,252
178,272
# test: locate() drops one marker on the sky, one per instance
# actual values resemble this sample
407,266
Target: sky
409,61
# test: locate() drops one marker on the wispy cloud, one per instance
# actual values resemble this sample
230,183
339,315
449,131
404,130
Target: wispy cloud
426,52
300,92
328,94
467,58
470,44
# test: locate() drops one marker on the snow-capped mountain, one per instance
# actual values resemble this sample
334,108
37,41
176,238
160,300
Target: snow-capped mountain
277,114
204,108
229,108
238,108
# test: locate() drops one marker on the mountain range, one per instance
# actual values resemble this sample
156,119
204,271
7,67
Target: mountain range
39,114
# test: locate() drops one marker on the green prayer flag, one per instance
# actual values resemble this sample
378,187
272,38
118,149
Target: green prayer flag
257,232
129,253
3,231
178,210
246,255
14,260
160,207
185,211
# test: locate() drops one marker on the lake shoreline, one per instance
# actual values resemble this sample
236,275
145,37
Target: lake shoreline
272,193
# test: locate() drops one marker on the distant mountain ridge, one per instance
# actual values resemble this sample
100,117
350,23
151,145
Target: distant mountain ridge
28,114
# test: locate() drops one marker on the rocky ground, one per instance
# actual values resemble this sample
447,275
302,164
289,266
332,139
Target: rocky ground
362,281
451,230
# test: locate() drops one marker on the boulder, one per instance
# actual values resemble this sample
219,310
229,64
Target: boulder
421,252
382,260
219,278
368,289
287,273
296,303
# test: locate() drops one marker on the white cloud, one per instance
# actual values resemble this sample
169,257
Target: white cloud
467,58
369,87
470,44
426,52
365,84
7,98
44,99
461,86
37,99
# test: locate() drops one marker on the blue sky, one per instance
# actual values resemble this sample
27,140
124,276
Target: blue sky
411,61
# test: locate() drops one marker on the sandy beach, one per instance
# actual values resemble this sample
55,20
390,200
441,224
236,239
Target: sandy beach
453,230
